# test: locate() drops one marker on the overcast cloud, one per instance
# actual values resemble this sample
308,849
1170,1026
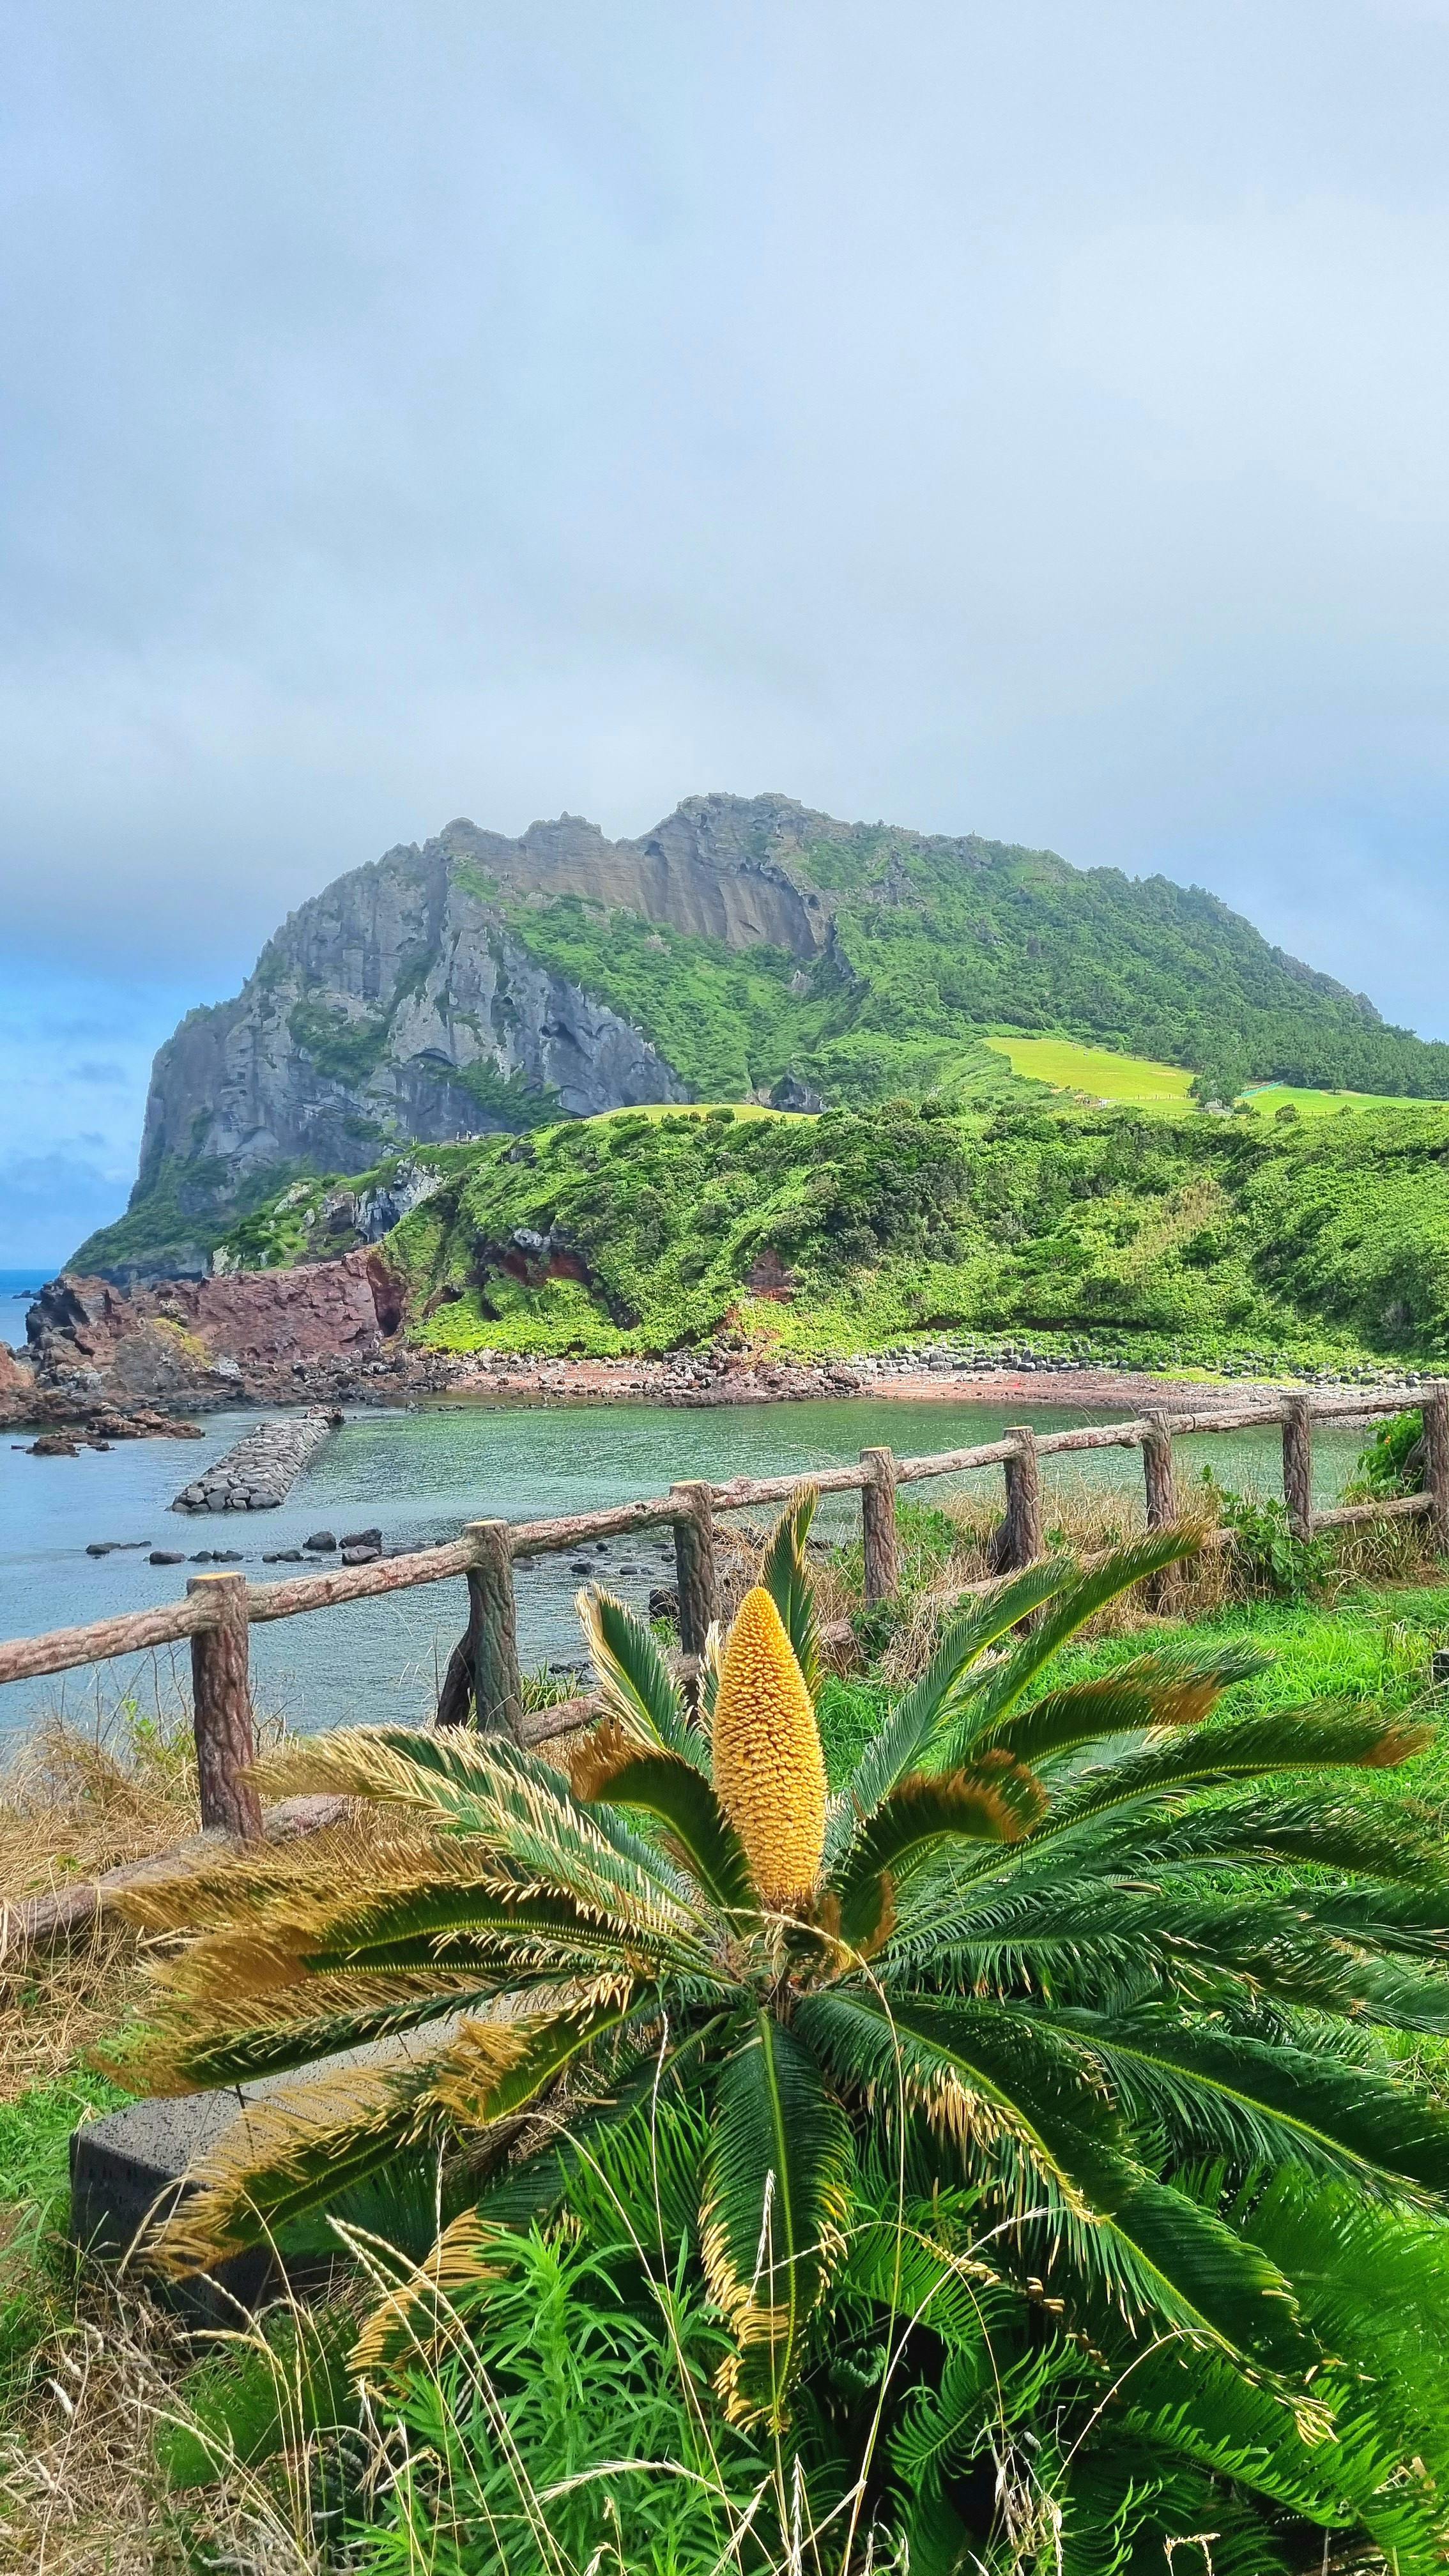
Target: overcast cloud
1032,420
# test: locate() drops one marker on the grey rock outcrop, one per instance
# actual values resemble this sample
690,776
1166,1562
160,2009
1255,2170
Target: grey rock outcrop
403,1006
257,1472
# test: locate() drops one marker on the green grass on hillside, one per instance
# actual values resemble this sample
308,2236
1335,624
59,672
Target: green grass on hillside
1268,1097
1135,1081
733,1021
1098,1071
1174,1239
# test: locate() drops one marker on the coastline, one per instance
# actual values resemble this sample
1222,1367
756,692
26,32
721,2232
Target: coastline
102,1365
691,1380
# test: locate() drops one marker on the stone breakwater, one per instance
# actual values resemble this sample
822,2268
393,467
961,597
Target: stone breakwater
257,1474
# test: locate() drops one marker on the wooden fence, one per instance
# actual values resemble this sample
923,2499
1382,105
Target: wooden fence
219,1609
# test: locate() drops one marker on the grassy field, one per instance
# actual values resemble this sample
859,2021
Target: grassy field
1096,1071
1266,1097
1135,1081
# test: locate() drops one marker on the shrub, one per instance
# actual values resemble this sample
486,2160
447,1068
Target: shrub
1021,2105
1274,1560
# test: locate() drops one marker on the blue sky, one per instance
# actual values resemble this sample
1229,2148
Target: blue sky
1028,420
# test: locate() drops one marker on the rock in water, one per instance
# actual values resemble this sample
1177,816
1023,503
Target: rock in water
257,1474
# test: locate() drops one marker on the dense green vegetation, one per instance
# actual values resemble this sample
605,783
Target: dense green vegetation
1186,1237
937,941
1035,2158
176,1223
735,1021
930,946
504,2432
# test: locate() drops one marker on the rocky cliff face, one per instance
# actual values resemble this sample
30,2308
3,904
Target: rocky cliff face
481,983
201,1343
402,1006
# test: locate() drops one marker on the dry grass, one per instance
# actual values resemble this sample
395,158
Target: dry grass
1386,1552
79,2494
82,2492
82,1795
1084,1522
79,1799
99,2366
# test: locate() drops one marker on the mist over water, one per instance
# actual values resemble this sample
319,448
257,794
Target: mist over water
420,1476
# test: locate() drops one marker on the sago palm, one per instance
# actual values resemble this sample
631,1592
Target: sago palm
1086,1953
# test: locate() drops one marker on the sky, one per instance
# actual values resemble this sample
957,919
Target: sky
1026,420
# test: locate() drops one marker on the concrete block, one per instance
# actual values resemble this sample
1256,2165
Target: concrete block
131,2168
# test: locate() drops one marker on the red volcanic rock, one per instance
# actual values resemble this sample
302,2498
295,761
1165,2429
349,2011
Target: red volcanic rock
318,1311
185,1340
17,1385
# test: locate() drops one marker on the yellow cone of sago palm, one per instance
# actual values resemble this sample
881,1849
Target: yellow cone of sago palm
769,1771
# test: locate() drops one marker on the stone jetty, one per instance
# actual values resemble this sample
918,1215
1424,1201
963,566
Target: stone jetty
256,1475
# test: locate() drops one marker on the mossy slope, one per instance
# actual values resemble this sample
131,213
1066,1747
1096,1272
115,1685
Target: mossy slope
1183,1237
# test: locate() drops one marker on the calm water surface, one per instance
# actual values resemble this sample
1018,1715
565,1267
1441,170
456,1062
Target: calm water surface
420,1475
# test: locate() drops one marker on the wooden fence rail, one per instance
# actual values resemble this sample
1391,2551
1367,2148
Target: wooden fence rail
217,1610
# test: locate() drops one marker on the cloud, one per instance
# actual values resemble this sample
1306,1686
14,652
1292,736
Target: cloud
1032,421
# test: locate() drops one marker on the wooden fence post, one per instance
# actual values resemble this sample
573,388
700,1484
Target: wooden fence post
493,1628
221,1704
694,1564
455,1698
1298,1465
1161,1485
1158,1474
1022,1541
1436,1460
878,1524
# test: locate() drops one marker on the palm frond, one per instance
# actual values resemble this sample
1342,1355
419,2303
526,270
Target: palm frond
432,1772
491,2069
635,2182
1072,1607
993,1800
249,1886
902,1743
617,2093
1078,1939
445,1899
786,1577
977,2070
635,1683
1380,1838
403,2325
1328,1735
1151,1692
774,2209
707,1678
610,1764
484,1921
1226,2088
194,2050
298,2148
289,2152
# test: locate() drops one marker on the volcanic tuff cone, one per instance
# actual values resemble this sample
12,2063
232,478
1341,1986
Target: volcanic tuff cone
748,946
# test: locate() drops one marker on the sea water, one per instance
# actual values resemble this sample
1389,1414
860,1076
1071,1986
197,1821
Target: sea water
419,1475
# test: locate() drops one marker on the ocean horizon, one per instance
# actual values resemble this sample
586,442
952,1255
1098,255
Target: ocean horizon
26,1281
